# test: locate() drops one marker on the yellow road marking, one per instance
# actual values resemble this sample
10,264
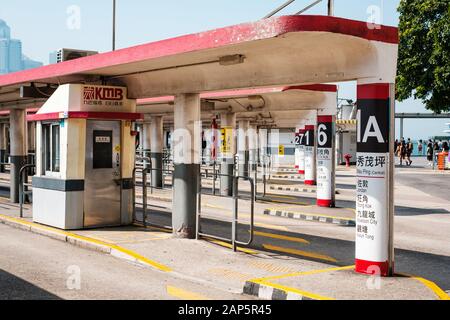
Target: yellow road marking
280,197
266,282
230,274
300,253
306,273
286,202
316,215
271,267
292,290
280,237
184,294
130,253
271,226
230,246
431,285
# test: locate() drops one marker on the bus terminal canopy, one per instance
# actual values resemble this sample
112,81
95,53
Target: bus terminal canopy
279,51
280,106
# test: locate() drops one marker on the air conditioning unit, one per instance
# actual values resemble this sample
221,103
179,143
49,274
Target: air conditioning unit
71,54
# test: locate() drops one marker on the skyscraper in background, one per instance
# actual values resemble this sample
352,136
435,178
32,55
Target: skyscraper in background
11,57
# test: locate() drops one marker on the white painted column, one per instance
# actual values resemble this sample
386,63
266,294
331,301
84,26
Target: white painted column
243,150
375,183
310,153
228,151
252,134
187,151
301,151
326,160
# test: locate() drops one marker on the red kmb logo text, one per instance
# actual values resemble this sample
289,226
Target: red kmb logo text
102,93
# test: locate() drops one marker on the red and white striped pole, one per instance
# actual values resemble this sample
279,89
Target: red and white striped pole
214,140
297,148
375,185
301,151
326,161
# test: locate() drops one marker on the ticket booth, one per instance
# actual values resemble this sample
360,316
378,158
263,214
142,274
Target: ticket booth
85,155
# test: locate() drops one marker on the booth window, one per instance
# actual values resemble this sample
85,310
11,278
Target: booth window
52,152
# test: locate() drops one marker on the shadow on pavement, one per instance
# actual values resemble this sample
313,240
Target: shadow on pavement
430,266
14,288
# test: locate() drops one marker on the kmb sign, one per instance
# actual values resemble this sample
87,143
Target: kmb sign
103,96
103,93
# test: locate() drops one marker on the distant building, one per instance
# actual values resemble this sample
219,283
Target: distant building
11,57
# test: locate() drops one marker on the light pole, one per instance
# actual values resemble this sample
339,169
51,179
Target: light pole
114,27
331,7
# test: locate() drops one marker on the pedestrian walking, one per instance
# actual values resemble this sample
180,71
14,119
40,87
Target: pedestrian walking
401,151
420,147
430,153
409,151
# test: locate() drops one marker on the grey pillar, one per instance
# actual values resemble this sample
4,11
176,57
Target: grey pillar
402,128
263,143
252,134
146,138
2,146
228,122
18,136
243,150
187,150
156,153
31,145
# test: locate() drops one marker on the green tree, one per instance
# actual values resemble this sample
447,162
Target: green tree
424,53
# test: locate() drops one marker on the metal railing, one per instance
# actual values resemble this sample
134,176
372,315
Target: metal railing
23,186
235,213
146,172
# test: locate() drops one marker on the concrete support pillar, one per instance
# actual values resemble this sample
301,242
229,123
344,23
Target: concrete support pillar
339,151
310,153
31,145
156,150
263,145
375,179
18,134
3,144
402,132
228,129
187,151
146,135
243,150
252,134
326,161
301,151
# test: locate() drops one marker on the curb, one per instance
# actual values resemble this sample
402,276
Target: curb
298,177
293,189
311,217
82,242
285,170
162,199
269,293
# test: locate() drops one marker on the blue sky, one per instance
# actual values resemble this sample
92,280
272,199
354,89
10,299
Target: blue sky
43,27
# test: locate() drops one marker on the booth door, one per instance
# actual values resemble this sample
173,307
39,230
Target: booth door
102,195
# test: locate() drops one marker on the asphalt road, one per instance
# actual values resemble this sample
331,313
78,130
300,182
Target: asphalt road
437,185
34,267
